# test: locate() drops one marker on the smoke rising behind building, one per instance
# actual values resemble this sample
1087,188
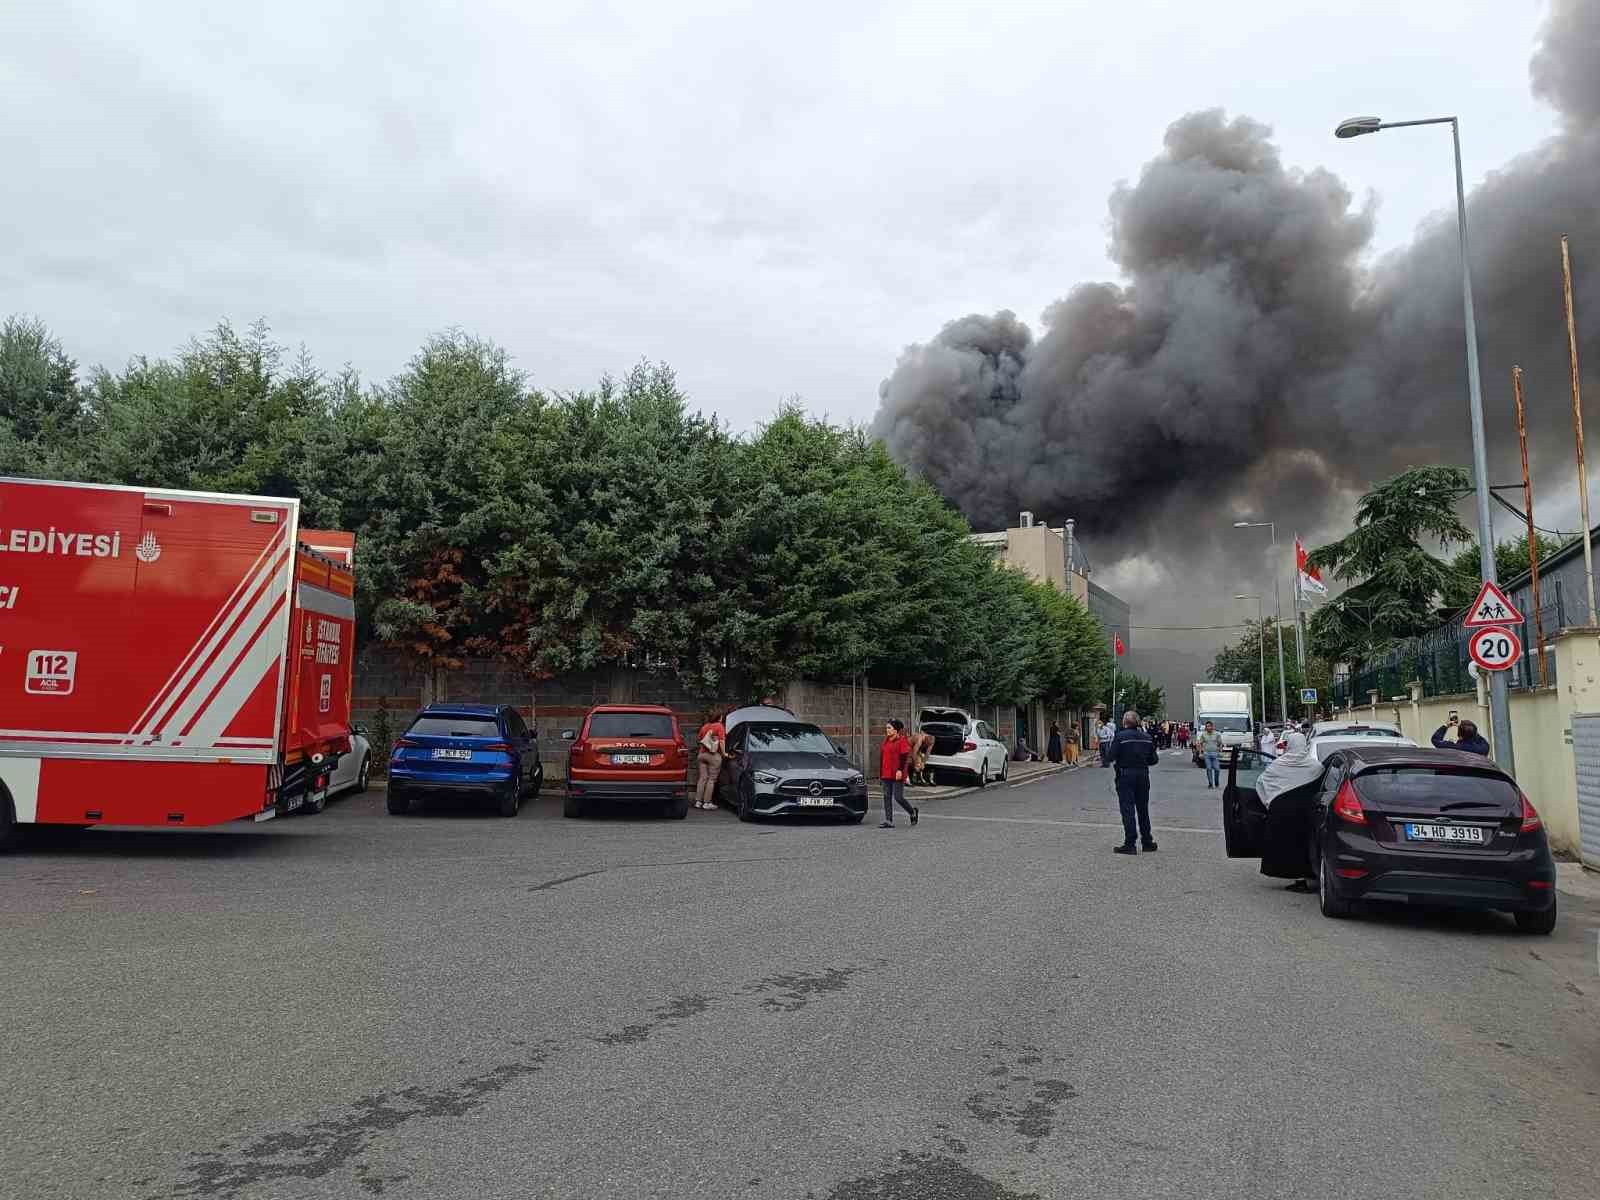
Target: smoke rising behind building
1254,360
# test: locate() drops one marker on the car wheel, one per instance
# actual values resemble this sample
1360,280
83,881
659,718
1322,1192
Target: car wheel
747,801
1538,922
1332,904
361,776
398,803
512,800
571,806
856,818
983,772
1005,769
677,810
315,802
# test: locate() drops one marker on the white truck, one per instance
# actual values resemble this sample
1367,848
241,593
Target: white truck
1229,707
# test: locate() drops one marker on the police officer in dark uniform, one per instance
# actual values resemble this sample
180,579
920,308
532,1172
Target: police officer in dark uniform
1133,753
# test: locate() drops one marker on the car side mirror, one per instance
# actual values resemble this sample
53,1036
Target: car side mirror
840,749
568,735
360,729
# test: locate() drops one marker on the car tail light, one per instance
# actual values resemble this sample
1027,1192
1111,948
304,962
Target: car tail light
1347,805
969,745
1539,884
503,747
1530,815
406,743
1349,872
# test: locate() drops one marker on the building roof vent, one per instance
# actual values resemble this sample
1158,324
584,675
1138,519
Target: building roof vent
1027,520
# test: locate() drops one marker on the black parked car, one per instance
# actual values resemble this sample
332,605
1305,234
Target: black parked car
1396,823
779,765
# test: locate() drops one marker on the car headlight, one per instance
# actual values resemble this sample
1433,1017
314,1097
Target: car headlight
765,776
854,778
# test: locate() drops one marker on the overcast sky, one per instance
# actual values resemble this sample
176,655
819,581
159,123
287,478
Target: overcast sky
775,199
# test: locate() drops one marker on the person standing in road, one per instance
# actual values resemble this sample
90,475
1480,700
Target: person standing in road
1267,743
709,763
1107,733
893,756
1467,738
1210,742
1133,753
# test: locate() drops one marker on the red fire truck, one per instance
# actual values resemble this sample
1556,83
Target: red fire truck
166,658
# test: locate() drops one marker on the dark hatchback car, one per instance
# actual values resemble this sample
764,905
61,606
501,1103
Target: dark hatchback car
777,765
465,750
629,754
1431,828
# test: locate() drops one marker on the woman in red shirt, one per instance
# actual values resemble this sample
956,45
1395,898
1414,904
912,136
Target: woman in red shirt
892,757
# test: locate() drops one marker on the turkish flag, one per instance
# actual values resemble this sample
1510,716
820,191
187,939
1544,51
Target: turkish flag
1116,640
1310,579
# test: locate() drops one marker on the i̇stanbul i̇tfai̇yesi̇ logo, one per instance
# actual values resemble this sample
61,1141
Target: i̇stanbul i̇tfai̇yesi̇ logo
148,549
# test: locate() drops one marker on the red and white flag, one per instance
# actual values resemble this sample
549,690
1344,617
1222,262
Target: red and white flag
1116,642
1310,578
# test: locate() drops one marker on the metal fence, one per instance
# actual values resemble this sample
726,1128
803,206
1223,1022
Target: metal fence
1439,659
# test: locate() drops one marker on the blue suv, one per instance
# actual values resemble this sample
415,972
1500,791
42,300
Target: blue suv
466,749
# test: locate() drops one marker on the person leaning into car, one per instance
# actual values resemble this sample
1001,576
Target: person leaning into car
893,755
709,761
1133,753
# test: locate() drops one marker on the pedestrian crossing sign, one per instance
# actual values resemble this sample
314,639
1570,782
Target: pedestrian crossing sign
1492,607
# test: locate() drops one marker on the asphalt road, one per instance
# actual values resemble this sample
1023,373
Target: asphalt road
990,1005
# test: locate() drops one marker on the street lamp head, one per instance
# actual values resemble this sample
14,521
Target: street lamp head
1356,126
1247,596
1241,524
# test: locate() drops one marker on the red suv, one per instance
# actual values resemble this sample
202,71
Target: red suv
632,753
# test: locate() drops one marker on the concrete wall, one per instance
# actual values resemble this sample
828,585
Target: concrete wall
1541,729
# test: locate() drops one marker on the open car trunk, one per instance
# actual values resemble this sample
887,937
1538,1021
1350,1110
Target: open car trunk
948,727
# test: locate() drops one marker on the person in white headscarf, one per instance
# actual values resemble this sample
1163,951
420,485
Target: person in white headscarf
1283,792
1294,768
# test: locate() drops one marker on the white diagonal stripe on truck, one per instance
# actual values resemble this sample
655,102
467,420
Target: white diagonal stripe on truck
250,669
196,662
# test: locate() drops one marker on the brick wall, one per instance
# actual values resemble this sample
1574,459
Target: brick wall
383,677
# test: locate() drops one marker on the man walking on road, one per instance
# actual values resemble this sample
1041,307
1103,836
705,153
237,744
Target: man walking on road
1107,734
1211,750
1133,753
893,756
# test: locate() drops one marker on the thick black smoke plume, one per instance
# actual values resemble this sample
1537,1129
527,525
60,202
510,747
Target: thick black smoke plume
1252,363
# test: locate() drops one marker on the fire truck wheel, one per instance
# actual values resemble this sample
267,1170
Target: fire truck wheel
10,831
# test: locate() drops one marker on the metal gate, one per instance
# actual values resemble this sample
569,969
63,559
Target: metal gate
1586,757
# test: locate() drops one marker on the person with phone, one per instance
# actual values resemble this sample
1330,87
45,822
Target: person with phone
1467,737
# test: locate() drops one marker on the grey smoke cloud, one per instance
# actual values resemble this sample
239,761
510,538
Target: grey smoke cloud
1253,361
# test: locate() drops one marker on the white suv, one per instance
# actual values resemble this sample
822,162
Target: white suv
964,744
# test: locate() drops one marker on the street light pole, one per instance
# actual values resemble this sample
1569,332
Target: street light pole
1277,595
1261,648
1499,698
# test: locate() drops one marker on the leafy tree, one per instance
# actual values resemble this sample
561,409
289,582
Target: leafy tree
1395,586
1137,693
41,409
1510,559
1240,662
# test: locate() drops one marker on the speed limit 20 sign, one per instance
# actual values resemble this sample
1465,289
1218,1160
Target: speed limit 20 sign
1495,648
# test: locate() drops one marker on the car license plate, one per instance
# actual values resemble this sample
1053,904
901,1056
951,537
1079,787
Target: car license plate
816,802
462,755
635,760
1471,834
